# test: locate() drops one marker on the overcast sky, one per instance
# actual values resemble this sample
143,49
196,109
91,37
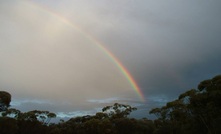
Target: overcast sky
168,46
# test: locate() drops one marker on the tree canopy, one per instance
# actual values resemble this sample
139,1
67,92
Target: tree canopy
5,99
194,111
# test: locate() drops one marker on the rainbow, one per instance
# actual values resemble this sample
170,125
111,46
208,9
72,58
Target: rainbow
102,47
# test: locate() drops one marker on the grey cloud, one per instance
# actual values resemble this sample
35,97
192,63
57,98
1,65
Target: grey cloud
168,46
43,58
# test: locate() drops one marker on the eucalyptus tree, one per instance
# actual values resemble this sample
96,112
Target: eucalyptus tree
195,111
5,99
118,110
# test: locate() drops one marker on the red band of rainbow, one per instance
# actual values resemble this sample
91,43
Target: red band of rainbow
113,58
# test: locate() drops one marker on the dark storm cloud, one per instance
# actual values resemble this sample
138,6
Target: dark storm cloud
187,49
168,46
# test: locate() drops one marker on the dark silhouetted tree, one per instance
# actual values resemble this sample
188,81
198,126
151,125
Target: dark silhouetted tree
195,111
118,110
5,99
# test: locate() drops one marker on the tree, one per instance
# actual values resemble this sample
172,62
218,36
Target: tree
195,111
36,115
118,110
205,105
12,112
5,99
8,125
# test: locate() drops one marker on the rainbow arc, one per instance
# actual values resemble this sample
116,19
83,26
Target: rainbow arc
102,47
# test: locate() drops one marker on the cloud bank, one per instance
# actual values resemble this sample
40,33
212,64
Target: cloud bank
168,46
